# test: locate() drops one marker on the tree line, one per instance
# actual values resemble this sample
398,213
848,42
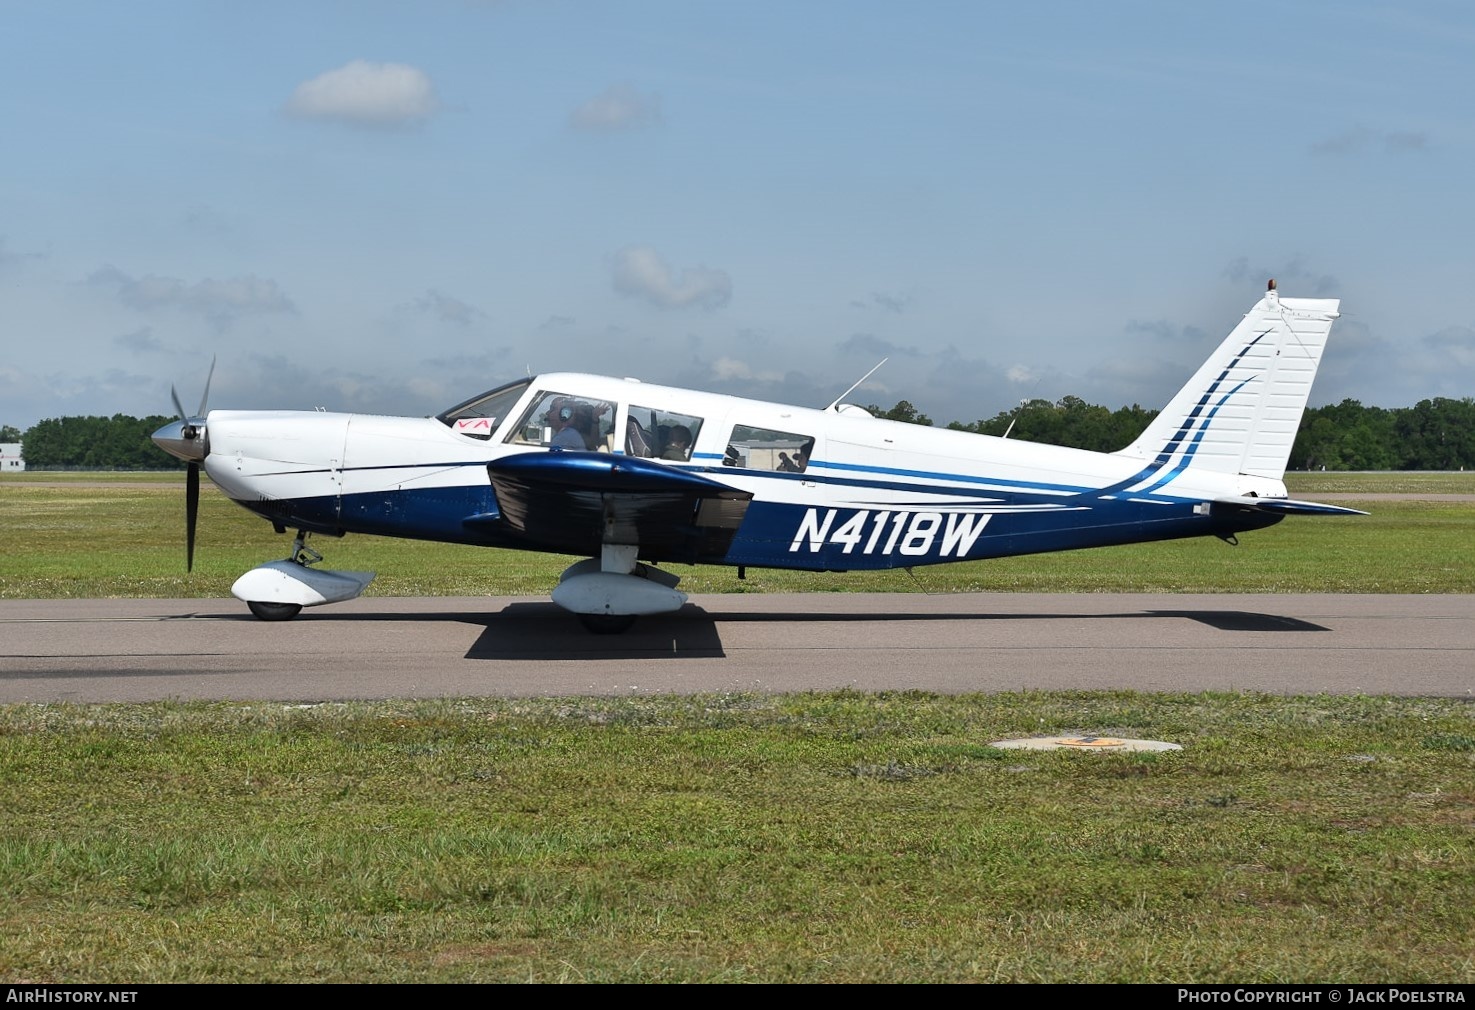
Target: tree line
119,442
1437,434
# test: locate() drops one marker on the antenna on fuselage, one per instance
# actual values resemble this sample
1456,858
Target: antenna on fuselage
852,389
1022,405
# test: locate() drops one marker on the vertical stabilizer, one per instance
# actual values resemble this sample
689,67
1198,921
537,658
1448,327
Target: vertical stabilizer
1241,410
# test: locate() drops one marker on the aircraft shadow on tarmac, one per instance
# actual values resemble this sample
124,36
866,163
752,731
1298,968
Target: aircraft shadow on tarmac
543,631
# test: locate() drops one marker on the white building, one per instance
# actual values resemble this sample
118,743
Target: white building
11,460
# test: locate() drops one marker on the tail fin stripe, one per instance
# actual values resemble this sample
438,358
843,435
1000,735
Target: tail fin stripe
1189,423
1197,439
1190,426
1158,464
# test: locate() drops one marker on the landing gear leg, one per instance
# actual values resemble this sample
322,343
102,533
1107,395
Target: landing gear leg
303,554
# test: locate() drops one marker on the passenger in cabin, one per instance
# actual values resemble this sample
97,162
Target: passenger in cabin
586,423
797,462
678,445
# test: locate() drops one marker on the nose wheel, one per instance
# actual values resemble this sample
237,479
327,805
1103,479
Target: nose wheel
274,611
302,555
606,624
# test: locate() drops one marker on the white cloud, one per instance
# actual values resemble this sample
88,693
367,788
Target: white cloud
7,257
1399,373
640,272
886,302
1454,346
1174,334
217,300
272,381
1293,277
1359,139
620,107
869,343
727,369
29,396
463,367
140,340
361,93
446,308
1405,140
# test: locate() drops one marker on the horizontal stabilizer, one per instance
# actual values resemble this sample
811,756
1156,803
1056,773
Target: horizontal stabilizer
1286,506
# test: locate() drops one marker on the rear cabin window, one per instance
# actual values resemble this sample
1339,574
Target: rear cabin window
563,421
660,434
768,449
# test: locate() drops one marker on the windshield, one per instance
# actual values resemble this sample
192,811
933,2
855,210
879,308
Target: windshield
480,416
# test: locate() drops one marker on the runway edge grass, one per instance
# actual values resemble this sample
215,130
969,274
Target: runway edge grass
837,837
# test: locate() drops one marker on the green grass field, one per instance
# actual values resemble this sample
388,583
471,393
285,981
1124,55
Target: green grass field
85,539
828,837
738,838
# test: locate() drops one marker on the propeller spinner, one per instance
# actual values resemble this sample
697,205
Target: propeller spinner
187,439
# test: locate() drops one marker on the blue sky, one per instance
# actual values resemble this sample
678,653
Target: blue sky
390,207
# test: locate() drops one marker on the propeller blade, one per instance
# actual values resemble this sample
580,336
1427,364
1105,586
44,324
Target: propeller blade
178,407
205,397
191,514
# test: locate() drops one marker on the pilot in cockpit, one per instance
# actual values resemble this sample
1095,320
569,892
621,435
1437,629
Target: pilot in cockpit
567,423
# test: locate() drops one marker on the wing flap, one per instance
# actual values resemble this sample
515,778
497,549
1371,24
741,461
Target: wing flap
575,502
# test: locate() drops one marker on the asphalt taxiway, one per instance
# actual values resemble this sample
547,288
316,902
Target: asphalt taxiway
139,650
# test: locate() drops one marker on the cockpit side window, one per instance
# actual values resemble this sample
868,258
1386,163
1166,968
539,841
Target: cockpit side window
660,434
480,416
564,421
767,449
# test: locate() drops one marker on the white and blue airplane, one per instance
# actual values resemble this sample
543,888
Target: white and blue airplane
635,478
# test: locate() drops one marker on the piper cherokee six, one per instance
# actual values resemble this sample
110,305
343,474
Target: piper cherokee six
632,477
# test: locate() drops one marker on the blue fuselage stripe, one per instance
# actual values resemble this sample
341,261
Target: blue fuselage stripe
778,535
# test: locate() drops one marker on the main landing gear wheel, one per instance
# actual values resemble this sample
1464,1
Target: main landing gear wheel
274,611
606,624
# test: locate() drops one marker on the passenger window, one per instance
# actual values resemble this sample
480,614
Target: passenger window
565,421
767,449
660,434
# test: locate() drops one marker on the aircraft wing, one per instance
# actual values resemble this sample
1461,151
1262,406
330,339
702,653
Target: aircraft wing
1285,506
575,502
